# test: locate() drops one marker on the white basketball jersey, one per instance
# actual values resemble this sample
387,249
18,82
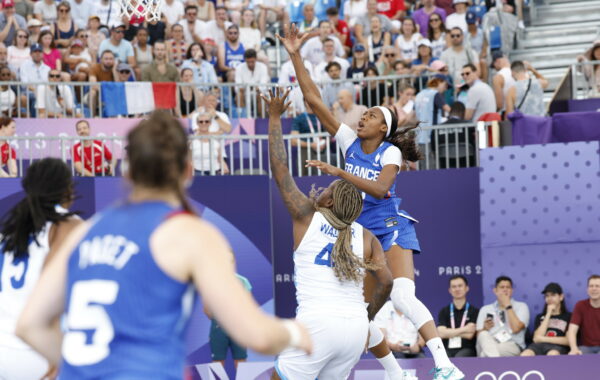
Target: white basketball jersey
18,277
317,287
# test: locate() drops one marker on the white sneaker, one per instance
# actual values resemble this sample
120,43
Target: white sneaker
448,373
408,376
521,25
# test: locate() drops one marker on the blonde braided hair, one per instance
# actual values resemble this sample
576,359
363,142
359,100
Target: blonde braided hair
347,206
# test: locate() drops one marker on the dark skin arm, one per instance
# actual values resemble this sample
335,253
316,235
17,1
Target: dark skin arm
377,189
292,43
373,253
299,206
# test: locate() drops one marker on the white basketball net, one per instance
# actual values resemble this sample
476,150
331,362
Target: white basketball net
148,9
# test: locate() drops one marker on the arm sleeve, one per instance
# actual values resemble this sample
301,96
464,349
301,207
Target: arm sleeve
392,156
576,317
481,318
345,136
523,314
107,153
129,50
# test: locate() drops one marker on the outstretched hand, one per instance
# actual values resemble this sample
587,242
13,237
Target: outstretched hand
290,39
277,104
324,167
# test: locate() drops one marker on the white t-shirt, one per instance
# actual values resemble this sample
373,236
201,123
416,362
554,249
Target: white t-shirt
109,14
313,49
345,136
173,12
214,126
199,29
457,20
398,328
81,12
353,10
270,3
16,57
202,156
48,11
47,100
212,31
7,100
287,74
321,74
250,38
408,48
259,75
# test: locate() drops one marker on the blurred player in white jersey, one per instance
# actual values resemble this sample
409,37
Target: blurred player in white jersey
31,231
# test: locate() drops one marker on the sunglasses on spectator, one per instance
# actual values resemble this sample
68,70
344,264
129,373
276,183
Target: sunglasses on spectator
63,10
390,55
83,36
54,76
435,20
203,122
124,71
119,31
22,36
465,74
192,14
456,35
6,74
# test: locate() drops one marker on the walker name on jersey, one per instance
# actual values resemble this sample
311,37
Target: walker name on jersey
113,250
362,172
328,230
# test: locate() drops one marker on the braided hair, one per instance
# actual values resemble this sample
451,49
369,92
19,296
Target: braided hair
47,183
158,154
347,206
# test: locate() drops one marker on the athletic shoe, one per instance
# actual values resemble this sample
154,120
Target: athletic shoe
408,376
447,373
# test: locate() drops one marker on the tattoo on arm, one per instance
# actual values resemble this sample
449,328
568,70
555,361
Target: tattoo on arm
380,296
298,204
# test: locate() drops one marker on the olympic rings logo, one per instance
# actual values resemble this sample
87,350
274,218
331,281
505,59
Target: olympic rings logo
511,375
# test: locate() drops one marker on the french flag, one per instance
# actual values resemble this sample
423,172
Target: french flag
133,98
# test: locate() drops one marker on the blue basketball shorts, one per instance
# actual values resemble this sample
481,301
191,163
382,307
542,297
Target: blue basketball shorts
402,234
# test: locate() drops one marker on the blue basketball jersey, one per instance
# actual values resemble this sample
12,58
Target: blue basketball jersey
124,316
234,57
378,215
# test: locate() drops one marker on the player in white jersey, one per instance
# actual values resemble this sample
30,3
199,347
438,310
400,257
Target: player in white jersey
30,233
331,254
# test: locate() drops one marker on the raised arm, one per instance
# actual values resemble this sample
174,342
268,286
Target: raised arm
292,44
298,204
373,254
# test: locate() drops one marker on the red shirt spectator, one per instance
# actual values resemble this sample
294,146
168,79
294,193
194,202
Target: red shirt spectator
91,157
341,27
445,5
587,318
390,7
7,152
100,160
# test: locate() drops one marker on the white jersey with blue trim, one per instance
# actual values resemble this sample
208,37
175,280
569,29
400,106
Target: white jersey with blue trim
317,287
377,214
18,277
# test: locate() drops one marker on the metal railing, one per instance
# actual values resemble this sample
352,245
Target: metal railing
586,80
449,146
85,99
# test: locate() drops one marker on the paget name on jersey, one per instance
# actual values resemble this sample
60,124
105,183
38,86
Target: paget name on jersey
113,250
330,231
362,172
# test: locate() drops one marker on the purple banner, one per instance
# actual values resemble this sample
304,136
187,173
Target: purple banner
560,127
540,208
515,368
446,204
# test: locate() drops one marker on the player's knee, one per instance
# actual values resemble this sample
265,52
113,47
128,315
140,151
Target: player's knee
403,295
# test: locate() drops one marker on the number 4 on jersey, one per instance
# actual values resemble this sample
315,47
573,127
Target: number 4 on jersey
324,257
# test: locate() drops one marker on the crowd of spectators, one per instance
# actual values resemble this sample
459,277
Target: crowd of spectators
501,329
202,43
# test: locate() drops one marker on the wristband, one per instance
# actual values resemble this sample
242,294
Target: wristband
294,330
508,307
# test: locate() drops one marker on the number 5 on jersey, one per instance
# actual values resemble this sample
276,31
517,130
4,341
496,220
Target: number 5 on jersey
324,257
87,312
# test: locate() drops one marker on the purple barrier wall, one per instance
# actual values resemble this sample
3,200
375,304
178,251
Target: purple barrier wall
533,368
540,214
560,127
446,204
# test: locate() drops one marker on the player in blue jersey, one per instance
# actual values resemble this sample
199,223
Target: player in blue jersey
373,157
331,254
122,279
30,234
